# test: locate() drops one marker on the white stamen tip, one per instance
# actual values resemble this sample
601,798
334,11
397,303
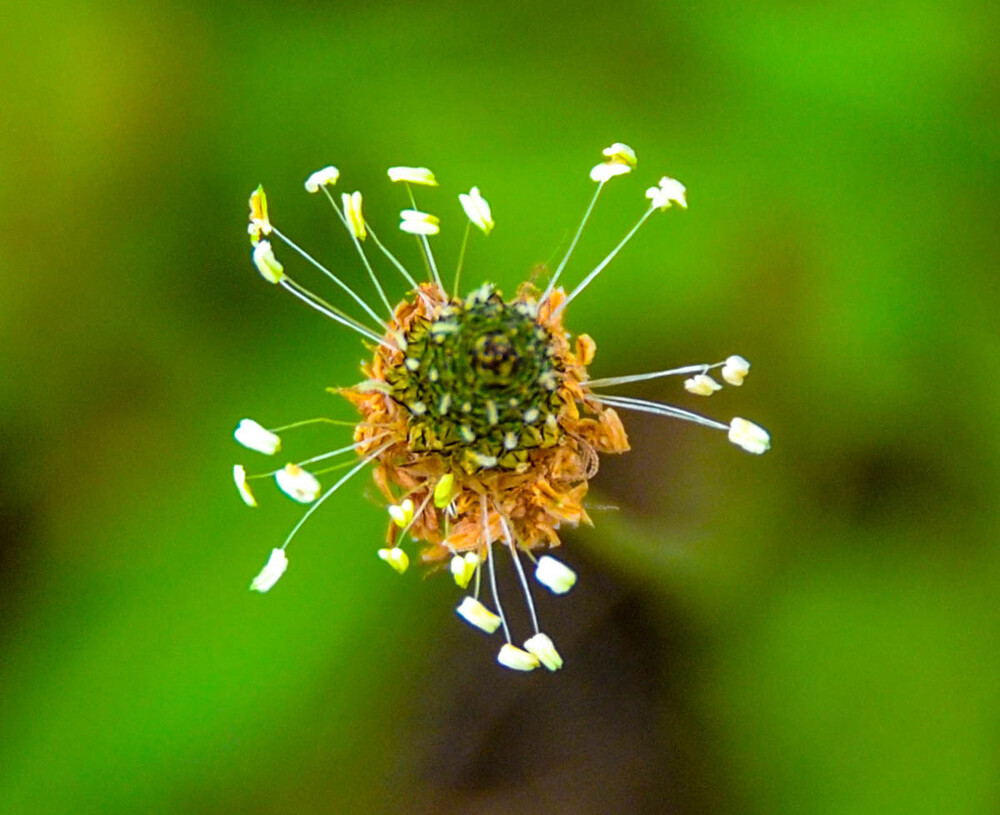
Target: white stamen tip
463,568
555,575
670,191
271,573
751,437
416,222
396,558
352,212
512,657
240,477
701,385
326,177
735,370
297,483
255,437
475,613
401,513
477,209
607,170
542,647
413,175
267,264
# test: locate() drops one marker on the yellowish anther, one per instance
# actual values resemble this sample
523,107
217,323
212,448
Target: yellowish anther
444,490
701,385
401,513
255,437
542,647
735,370
413,175
670,191
512,657
751,437
297,483
620,159
463,568
271,573
352,212
396,558
555,575
477,209
267,264
326,177
475,613
260,224
621,153
419,223
240,477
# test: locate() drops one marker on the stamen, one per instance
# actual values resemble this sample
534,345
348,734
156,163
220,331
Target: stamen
361,253
332,312
607,382
572,245
600,266
659,409
426,246
318,503
490,557
520,571
331,275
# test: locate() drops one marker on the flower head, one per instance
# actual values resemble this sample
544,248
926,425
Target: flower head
476,411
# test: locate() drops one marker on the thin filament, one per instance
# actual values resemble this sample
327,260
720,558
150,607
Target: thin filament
645,406
493,573
600,266
354,470
520,571
572,246
331,275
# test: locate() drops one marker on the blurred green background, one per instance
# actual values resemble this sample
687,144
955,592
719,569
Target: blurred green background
813,631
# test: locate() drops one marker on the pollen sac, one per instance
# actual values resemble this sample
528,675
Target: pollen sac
480,382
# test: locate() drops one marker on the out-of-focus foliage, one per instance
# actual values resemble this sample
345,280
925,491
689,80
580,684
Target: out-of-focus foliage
813,631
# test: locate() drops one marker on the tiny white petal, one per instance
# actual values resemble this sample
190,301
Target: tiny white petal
669,191
621,153
255,437
751,437
607,170
735,370
272,571
542,647
554,574
413,175
702,385
463,568
298,484
477,209
240,477
352,212
267,264
512,657
326,177
396,558
475,613
419,223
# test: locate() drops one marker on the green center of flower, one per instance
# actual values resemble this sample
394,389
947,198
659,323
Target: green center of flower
480,382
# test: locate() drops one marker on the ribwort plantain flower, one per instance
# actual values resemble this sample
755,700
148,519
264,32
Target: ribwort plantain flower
477,413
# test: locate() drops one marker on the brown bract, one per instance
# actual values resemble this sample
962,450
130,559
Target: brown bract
537,498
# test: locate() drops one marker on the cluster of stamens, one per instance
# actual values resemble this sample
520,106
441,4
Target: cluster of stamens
478,413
